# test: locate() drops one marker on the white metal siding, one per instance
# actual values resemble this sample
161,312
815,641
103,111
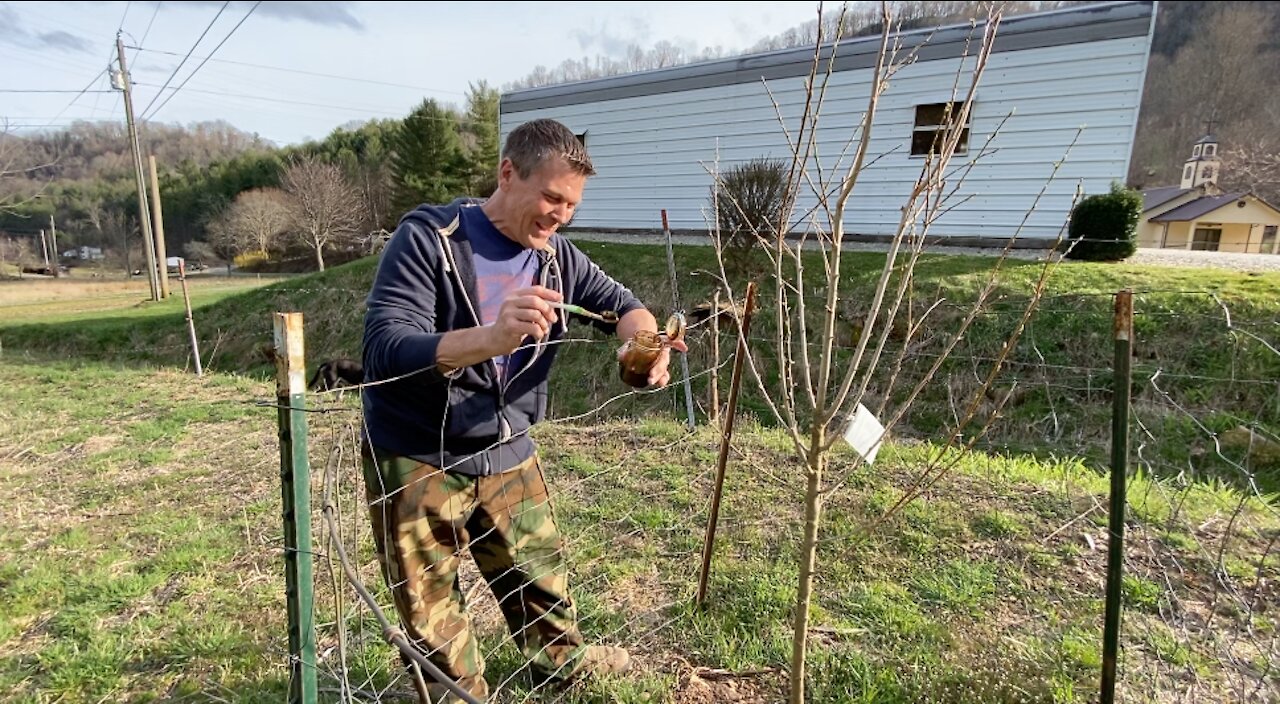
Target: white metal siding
654,152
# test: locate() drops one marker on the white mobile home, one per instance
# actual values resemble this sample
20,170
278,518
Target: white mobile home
653,135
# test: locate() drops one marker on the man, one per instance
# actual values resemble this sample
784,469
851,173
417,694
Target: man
460,331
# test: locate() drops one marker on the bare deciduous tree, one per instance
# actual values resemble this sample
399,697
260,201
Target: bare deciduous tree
17,251
15,168
199,251
223,239
1255,167
260,217
327,209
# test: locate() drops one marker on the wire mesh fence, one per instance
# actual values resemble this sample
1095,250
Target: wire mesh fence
988,586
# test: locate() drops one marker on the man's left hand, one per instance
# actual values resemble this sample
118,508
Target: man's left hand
660,374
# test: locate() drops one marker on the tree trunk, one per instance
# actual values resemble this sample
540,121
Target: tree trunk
808,563
319,254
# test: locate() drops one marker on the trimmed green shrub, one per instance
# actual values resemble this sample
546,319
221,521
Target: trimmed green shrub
1104,227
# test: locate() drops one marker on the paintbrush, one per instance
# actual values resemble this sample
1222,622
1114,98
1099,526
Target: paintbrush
607,316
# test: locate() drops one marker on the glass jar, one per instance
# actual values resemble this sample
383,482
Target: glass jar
641,354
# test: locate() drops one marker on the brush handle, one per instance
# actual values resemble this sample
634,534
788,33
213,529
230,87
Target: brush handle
569,307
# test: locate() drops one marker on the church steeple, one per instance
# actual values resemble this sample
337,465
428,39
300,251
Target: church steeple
1204,167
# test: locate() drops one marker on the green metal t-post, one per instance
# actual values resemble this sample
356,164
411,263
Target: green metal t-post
1122,390
295,491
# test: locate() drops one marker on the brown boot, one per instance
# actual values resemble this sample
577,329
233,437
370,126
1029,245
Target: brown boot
602,660
587,661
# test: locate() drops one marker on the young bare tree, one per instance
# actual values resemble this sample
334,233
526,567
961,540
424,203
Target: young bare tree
260,217
224,241
818,391
15,165
199,251
1255,167
16,251
326,208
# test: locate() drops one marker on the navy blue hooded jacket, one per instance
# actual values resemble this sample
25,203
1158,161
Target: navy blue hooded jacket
425,287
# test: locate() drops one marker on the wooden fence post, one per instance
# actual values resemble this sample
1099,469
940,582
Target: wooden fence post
735,383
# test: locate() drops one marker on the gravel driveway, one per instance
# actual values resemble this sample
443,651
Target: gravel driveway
1156,257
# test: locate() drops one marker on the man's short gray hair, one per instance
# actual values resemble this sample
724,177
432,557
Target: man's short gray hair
533,143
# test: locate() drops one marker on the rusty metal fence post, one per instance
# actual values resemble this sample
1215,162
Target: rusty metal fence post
1121,394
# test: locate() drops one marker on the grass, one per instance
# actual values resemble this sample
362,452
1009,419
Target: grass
1193,376
79,300
141,541
134,579
117,582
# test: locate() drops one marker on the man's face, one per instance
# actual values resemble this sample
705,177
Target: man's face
542,203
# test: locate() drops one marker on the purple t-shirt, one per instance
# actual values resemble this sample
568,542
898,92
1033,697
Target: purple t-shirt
503,266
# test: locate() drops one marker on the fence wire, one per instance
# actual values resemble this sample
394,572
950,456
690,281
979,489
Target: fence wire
988,587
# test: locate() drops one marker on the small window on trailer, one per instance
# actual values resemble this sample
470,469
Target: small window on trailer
935,122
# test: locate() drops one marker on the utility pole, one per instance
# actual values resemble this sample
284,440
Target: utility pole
157,220
144,219
44,249
53,245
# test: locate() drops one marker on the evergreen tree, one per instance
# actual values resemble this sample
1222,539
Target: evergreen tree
482,129
427,161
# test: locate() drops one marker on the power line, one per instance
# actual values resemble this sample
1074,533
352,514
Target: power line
145,117
184,59
79,95
43,90
283,101
59,22
74,98
354,79
50,61
127,5
153,21
56,117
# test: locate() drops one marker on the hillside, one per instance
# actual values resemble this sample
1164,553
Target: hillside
1060,368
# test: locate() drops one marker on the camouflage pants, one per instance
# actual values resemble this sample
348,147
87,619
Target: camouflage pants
424,518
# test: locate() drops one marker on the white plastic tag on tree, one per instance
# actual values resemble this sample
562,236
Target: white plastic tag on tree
864,434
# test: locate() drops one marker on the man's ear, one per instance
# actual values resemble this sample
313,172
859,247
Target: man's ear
506,173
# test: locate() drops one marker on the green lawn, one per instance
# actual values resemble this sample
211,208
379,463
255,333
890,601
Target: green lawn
142,560
141,548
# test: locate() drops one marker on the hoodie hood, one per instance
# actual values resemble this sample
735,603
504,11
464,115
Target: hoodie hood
439,217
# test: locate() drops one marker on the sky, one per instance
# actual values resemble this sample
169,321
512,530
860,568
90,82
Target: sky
345,61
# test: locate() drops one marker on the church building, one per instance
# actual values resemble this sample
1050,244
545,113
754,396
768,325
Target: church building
1197,214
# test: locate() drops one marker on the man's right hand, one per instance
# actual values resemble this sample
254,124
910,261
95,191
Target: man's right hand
526,313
